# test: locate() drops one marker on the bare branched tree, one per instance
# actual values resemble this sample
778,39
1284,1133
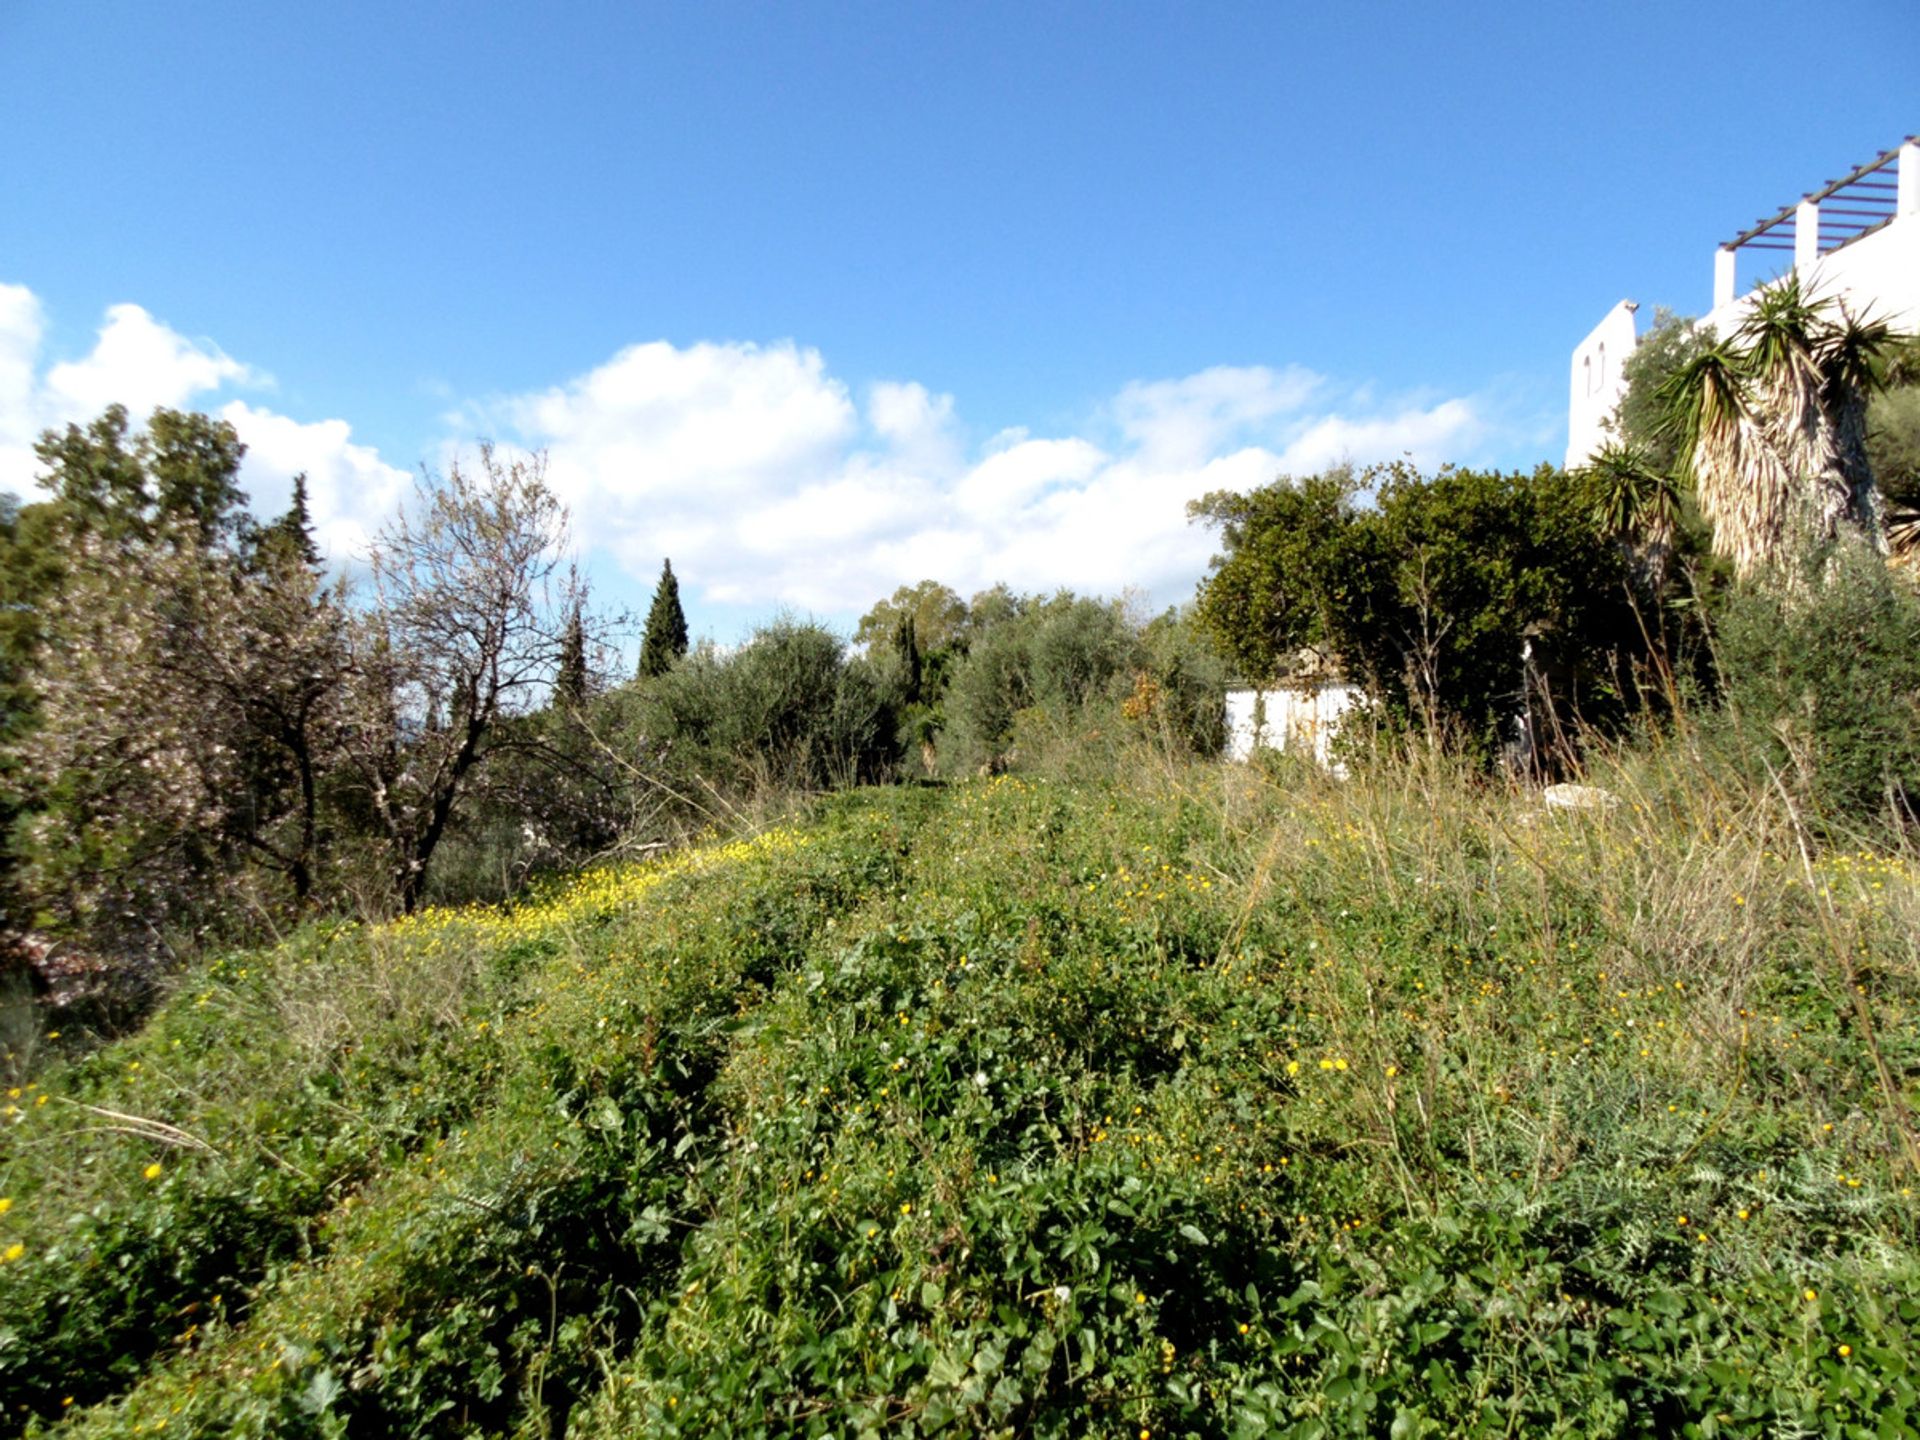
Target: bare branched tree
471,603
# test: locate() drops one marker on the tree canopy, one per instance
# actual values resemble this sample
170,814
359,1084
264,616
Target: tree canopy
665,639
1459,599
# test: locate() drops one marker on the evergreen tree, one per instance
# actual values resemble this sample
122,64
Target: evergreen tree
666,637
570,686
294,530
907,645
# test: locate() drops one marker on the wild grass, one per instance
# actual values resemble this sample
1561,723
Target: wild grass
1136,1097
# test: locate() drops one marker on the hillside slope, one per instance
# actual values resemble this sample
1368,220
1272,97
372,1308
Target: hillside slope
1190,1104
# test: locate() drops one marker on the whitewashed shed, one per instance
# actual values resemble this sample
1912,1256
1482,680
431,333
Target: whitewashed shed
1295,716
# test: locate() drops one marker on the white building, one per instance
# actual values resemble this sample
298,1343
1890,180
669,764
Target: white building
1856,239
1300,716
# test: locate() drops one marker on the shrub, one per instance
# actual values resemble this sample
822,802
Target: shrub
1054,657
789,712
1821,681
1462,600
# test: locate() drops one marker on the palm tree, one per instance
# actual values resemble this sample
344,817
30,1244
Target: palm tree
1771,426
1725,457
1638,506
1857,365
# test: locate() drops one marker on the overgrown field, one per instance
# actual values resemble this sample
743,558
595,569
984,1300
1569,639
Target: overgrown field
1205,1102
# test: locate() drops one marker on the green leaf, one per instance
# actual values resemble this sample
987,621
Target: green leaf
322,1390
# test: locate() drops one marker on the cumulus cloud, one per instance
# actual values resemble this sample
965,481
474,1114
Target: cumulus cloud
21,324
1186,420
753,468
140,362
351,491
771,481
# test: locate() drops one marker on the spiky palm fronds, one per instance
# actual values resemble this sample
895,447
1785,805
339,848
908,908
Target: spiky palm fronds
1728,458
1903,533
1782,341
1854,360
1637,504
1771,425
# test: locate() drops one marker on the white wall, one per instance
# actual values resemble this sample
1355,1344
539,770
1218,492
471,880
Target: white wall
1597,382
1877,275
1297,718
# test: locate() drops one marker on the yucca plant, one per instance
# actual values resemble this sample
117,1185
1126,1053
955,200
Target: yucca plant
1771,426
1638,506
1744,488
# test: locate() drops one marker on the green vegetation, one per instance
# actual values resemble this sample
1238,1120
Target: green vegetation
1820,695
665,638
1196,1101
1670,345
1091,1087
1893,427
1803,424
1460,600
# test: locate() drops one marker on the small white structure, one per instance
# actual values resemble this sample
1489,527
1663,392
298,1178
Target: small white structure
1299,717
1857,239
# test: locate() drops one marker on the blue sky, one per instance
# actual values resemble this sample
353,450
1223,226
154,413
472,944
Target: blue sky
824,298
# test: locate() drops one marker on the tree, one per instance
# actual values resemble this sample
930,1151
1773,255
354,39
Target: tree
1639,423
1455,598
906,646
1287,573
1639,507
1771,428
570,685
938,616
1054,657
185,679
466,630
293,531
665,640
182,472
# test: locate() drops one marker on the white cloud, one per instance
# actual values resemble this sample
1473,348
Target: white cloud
21,325
754,467
351,491
1430,436
751,468
140,362
1009,479
1184,421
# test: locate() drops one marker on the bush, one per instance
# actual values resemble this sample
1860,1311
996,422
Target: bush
1893,443
1822,687
788,712
1461,600
1043,666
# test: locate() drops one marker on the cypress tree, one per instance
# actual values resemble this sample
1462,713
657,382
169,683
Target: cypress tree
665,640
570,686
292,533
907,644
